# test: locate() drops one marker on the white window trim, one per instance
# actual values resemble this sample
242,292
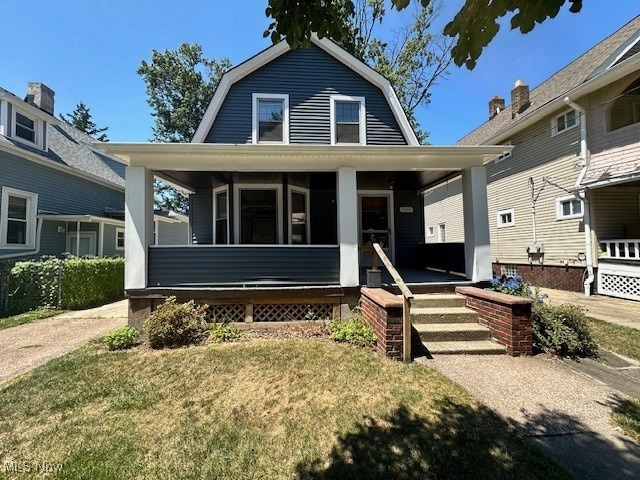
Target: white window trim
561,200
440,229
119,230
506,155
363,118
32,211
256,186
74,234
215,193
554,122
307,198
37,127
431,230
285,116
499,214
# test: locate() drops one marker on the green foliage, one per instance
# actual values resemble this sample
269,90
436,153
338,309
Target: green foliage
473,27
175,324
627,416
121,338
224,332
70,284
81,119
354,330
562,330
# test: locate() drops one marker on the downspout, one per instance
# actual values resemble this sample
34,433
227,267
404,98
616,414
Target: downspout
33,252
584,161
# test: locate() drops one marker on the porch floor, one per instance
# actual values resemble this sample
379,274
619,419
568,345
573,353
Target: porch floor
415,276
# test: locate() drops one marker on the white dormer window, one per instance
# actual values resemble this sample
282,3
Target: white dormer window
27,128
348,120
564,122
270,118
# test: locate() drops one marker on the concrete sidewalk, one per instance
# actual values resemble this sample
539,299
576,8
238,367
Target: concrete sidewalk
614,310
28,346
564,412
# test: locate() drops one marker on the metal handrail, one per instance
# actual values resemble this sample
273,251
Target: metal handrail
407,296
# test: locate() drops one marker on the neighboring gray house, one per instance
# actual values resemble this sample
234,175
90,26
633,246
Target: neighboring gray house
58,193
302,157
564,204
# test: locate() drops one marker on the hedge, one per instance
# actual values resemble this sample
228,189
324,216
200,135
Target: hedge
70,284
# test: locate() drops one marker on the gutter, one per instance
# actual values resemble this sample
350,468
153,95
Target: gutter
29,252
582,192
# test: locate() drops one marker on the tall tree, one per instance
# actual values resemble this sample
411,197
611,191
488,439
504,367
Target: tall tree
474,26
180,85
81,119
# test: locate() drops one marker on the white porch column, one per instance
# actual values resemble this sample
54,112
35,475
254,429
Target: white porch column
348,227
138,223
477,249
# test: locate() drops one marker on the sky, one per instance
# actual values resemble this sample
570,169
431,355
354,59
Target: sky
90,51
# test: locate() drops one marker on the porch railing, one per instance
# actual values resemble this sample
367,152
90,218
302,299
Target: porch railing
624,249
407,296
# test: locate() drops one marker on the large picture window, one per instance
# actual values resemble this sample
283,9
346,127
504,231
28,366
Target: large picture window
18,218
270,118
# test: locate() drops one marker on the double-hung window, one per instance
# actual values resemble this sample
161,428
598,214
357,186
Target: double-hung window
18,218
348,120
221,215
25,128
120,238
569,207
270,118
299,227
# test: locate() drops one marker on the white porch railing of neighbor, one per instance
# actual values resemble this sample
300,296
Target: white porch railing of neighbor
627,249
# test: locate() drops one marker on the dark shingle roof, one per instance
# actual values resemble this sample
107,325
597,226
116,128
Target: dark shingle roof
72,148
577,72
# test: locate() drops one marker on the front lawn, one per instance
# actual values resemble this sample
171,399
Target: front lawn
28,317
259,409
627,416
616,338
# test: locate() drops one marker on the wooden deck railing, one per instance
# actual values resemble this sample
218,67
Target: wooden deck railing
407,296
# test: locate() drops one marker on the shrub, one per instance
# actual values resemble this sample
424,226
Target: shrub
176,324
225,331
354,330
121,338
562,330
511,285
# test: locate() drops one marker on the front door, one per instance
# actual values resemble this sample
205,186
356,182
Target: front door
375,211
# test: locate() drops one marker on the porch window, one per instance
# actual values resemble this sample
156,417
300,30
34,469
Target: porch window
625,110
298,216
270,118
564,122
259,215
18,218
348,125
569,207
506,218
221,216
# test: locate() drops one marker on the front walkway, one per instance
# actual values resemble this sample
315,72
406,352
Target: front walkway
609,309
28,346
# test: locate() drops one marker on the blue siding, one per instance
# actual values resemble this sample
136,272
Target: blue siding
109,247
309,77
172,233
409,231
53,242
259,265
201,217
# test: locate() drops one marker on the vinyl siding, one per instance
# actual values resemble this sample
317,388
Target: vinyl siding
109,247
172,233
443,204
309,77
201,217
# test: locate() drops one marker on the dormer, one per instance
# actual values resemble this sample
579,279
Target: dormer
25,121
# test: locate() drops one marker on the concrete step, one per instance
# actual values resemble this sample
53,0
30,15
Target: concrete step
451,332
443,315
480,347
438,300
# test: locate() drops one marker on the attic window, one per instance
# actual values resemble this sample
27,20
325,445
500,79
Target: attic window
564,122
27,128
626,108
348,125
270,118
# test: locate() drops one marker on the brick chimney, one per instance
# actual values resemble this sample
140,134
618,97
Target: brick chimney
519,98
41,96
496,105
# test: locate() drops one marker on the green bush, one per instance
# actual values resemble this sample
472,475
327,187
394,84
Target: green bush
175,324
562,330
225,331
354,330
121,338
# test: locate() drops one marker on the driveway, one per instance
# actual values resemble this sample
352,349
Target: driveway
28,346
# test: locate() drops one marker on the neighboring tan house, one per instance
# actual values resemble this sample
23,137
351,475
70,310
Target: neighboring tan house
58,192
302,157
564,203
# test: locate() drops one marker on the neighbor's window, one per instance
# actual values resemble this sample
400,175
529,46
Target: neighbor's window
120,239
442,232
625,110
506,218
270,118
18,218
431,231
569,207
348,120
564,122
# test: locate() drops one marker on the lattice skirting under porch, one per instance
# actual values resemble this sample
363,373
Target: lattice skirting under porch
270,312
622,281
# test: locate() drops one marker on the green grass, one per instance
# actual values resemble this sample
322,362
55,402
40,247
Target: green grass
616,338
627,417
28,317
262,409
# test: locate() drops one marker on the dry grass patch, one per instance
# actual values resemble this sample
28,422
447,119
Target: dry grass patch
265,409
